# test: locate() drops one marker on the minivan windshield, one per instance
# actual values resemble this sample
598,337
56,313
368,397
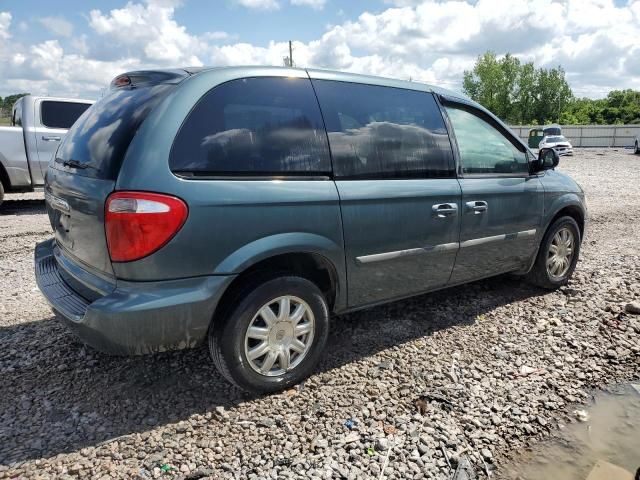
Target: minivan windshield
98,141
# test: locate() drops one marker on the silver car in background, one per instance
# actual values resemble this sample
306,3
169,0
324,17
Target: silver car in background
559,143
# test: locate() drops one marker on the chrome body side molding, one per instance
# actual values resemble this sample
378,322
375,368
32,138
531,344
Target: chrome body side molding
381,257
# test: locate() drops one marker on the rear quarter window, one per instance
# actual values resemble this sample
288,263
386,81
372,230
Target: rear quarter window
61,114
253,126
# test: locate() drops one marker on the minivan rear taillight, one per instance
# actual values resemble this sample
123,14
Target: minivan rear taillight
139,223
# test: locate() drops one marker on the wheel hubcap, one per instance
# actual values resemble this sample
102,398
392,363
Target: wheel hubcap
560,253
279,336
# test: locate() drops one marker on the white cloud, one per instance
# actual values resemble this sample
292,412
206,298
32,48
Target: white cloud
58,26
315,4
46,69
276,4
431,40
260,4
5,23
5,36
166,3
216,36
436,41
149,31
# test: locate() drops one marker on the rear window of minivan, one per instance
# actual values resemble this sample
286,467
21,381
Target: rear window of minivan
100,137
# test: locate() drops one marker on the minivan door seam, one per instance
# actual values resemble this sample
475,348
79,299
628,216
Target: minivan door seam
458,168
335,185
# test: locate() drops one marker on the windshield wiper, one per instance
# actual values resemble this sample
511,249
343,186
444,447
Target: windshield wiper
74,164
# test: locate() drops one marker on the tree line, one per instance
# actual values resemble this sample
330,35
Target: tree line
6,103
521,94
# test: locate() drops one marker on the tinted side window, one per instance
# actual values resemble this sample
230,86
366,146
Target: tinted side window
61,114
383,132
254,126
483,148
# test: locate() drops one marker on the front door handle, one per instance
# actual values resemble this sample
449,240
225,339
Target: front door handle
50,138
478,207
442,210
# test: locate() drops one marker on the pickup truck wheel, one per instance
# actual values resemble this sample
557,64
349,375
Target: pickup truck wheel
274,336
1,193
558,254
636,148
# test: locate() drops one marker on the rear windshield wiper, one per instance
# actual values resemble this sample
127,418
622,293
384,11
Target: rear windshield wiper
74,164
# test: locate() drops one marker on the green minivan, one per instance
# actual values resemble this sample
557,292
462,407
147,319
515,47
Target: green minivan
242,206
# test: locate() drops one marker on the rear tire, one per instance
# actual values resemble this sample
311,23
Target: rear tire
261,347
558,254
1,193
636,149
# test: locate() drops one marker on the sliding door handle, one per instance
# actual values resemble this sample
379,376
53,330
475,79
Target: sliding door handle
478,207
442,210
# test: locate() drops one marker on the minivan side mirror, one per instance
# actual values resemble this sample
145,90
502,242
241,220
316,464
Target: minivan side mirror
548,158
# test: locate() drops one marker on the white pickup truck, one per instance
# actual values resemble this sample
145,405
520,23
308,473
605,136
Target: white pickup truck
37,126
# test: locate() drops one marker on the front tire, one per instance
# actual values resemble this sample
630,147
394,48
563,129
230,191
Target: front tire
273,337
558,255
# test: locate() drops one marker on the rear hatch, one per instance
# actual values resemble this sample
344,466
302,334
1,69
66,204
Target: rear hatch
84,170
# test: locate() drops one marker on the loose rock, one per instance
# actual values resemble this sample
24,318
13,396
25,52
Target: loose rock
632,308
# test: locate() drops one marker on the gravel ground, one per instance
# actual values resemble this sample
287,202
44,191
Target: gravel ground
68,411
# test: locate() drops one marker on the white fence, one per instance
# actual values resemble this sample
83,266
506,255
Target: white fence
591,135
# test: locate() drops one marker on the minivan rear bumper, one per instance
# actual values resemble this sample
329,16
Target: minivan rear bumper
136,317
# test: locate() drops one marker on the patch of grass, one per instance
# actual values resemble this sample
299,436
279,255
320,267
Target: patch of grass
5,121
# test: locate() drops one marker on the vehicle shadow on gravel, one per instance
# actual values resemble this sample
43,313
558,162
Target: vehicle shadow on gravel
22,207
60,396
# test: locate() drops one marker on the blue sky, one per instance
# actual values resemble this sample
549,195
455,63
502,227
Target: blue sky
258,26
78,47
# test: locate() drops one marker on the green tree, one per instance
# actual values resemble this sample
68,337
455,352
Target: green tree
521,94
553,95
526,94
483,82
508,89
6,103
517,92
618,107
493,82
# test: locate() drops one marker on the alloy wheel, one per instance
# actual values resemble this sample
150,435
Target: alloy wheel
279,336
560,253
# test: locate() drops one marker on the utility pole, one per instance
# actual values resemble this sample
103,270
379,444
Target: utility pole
288,61
290,54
